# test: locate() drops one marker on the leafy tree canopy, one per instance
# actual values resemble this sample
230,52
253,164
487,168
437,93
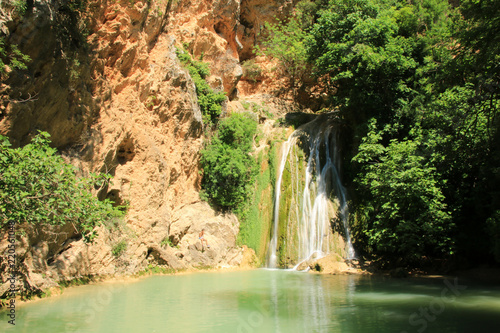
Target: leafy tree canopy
406,213
228,167
419,83
39,188
376,52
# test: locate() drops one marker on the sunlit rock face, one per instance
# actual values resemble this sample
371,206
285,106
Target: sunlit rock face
115,99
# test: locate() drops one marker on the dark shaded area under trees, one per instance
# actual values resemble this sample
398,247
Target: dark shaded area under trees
418,83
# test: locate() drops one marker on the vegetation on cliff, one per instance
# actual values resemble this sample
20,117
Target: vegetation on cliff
37,187
228,168
11,56
209,100
418,82
256,216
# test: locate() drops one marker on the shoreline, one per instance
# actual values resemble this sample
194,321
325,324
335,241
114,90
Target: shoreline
59,290
488,275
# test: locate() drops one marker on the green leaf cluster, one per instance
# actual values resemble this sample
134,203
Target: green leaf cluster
210,101
375,53
251,70
119,248
39,188
406,212
12,56
228,167
286,43
419,83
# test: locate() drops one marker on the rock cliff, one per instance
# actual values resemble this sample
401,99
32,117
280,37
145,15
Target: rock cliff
115,99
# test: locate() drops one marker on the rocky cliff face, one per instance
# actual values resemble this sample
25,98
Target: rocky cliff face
117,100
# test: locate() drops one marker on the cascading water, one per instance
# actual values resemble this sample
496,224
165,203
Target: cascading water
315,195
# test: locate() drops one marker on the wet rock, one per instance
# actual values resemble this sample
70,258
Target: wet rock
331,264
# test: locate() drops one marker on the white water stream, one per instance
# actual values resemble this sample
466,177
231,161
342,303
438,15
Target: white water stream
318,194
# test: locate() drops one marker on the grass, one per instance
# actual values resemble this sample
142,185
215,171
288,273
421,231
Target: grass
153,270
76,282
119,248
167,241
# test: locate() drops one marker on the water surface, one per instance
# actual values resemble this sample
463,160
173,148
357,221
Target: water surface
265,301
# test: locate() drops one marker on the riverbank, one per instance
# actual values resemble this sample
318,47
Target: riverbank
120,279
333,264
264,300
329,265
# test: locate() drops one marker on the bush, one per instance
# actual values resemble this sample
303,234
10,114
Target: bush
251,71
38,187
11,55
286,43
119,248
210,101
228,168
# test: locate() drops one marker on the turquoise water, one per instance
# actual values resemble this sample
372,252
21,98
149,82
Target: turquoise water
265,301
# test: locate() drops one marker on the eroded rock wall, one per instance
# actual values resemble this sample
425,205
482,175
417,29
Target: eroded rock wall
120,102
55,93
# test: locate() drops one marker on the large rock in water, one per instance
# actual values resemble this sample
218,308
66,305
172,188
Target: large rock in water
330,264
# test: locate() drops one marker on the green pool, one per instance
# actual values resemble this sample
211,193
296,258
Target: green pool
265,301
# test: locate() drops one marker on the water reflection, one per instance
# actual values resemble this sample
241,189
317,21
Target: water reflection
265,301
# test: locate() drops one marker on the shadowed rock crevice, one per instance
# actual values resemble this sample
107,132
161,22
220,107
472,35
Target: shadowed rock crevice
115,197
125,151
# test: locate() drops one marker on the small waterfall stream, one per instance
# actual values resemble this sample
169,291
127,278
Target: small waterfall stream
316,195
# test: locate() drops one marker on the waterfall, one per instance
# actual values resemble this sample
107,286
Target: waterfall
316,195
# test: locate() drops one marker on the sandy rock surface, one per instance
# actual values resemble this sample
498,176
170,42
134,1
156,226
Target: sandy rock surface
126,106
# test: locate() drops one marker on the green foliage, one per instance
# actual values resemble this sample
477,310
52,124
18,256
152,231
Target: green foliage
286,42
119,248
74,75
471,107
256,217
251,70
237,131
38,187
210,102
375,52
10,55
228,168
167,242
154,270
151,101
408,217
20,7
76,282
70,25
427,177
479,36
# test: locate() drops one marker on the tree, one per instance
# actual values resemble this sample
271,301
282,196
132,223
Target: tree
376,52
37,187
407,217
385,60
228,169
286,43
476,74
